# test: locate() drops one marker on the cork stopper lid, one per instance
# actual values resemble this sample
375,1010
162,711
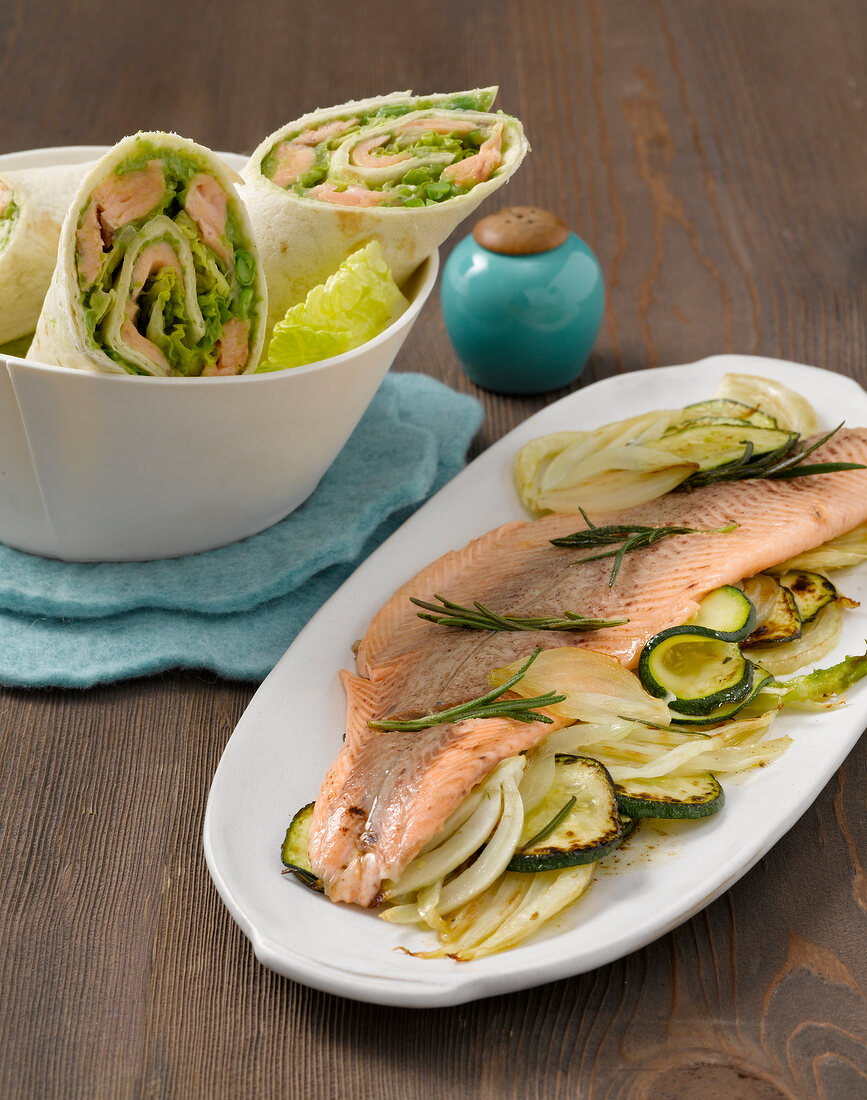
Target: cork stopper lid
521,231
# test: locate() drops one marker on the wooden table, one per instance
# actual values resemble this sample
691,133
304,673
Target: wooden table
713,156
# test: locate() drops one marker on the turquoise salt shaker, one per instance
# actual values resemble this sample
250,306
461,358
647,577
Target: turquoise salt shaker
523,300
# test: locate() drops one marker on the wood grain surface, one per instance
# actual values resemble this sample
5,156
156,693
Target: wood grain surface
713,156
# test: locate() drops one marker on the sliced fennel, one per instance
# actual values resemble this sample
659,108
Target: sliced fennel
496,803
615,478
839,553
790,410
816,639
634,461
737,745
545,895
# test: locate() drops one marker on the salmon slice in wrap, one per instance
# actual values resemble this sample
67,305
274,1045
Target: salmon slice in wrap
157,270
33,204
401,169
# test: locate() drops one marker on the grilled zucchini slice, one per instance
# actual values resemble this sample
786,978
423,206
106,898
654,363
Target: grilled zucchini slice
724,408
716,443
782,624
761,679
695,669
294,849
671,796
576,822
810,592
726,611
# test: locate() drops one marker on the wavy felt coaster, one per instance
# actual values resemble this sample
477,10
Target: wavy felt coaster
235,610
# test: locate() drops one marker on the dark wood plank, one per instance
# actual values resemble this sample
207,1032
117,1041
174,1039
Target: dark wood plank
713,156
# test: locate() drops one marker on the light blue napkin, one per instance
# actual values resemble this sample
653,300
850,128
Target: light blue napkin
235,610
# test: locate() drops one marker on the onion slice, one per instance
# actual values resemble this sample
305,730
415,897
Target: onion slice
597,687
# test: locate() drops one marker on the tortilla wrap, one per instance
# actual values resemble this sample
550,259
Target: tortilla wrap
308,223
157,270
33,204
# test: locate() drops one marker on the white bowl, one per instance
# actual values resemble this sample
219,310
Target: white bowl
103,467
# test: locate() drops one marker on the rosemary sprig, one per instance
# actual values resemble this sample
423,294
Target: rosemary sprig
784,462
546,830
480,617
630,538
489,705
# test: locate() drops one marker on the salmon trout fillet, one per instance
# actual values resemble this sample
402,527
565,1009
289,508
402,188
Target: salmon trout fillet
387,794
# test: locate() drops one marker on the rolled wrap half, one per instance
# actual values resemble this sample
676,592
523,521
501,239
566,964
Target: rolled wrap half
157,271
33,204
401,169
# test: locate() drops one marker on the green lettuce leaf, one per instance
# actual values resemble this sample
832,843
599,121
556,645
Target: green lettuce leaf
355,304
168,327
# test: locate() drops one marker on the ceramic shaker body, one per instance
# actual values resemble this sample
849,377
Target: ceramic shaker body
523,322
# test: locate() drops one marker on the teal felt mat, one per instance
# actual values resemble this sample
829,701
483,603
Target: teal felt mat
235,610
